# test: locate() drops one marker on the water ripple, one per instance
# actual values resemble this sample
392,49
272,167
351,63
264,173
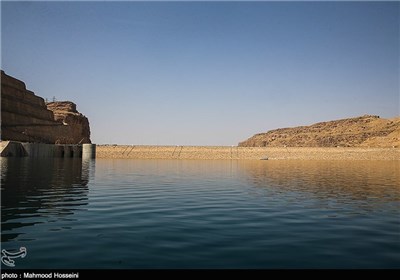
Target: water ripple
202,214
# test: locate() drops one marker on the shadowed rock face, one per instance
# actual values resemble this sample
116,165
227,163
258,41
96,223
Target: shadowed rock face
26,118
361,131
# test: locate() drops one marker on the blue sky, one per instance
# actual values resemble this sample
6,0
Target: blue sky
202,73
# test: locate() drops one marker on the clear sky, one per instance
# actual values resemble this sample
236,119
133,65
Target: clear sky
202,73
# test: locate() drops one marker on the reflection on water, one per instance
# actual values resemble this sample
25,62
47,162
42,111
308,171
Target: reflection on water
201,214
374,181
35,190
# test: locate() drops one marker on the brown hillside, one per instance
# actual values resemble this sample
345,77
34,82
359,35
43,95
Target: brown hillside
365,131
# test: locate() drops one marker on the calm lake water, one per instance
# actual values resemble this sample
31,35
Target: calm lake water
201,214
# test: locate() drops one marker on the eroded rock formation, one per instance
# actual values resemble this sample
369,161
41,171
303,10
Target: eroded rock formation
66,113
363,131
26,118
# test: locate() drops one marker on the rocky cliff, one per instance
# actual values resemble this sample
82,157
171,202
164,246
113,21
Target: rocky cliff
25,117
367,130
66,113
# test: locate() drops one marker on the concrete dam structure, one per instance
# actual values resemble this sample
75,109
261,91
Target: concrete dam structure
23,149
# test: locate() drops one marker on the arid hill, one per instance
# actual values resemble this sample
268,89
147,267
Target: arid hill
364,131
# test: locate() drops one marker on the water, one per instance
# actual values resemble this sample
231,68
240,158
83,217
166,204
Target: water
201,214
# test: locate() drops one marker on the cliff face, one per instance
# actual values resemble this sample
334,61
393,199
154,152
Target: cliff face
360,131
26,118
66,113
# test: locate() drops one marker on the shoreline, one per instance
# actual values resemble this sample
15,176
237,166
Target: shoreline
245,153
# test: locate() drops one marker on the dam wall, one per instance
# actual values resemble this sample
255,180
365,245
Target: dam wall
40,150
245,153
90,151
